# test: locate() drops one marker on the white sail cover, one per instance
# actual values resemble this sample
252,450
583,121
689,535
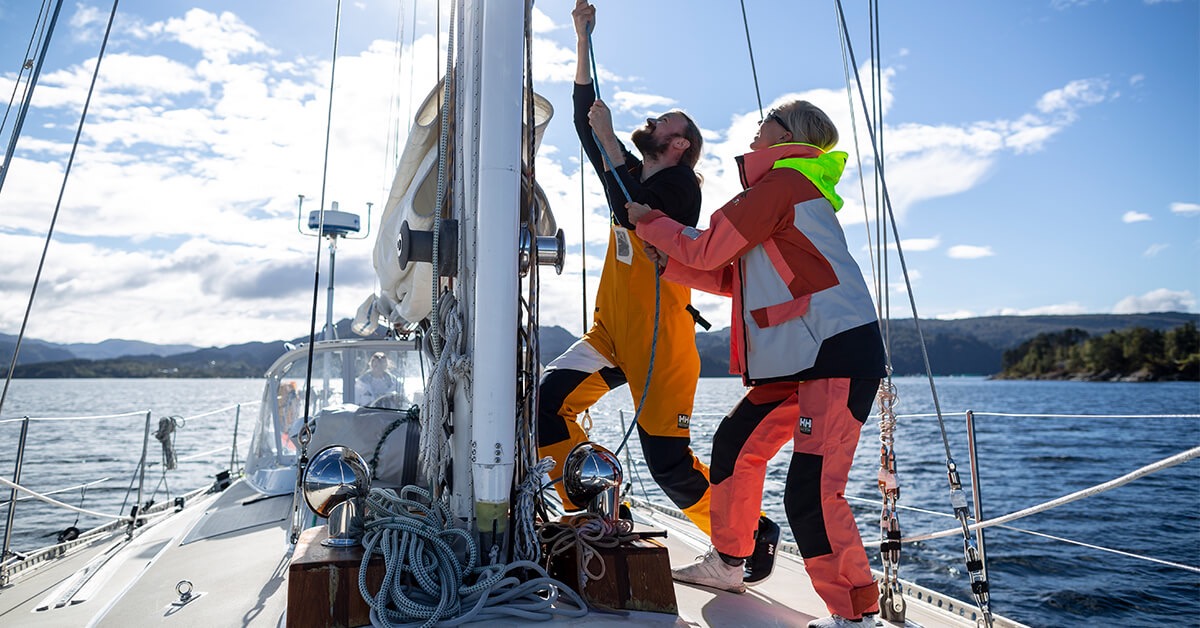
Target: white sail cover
405,295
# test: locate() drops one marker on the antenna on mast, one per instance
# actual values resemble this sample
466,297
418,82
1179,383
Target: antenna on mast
332,224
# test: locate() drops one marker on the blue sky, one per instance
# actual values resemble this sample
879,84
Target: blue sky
1043,157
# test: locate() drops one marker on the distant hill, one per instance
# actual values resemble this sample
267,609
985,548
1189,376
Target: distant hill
971,346
121,348
31,351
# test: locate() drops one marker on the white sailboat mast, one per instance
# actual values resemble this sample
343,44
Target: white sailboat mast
496,277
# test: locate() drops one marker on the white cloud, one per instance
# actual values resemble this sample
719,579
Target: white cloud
1058,309
968,251
1067,100
1160,300
1186,209
556,64
920,244
217,37
1132,216
955,315
86,20
1155,249
641,104
542,23
222,136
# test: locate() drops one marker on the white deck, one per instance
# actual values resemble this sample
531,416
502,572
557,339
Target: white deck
231,547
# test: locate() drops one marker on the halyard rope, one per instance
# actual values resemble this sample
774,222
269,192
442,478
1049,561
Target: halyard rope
452,369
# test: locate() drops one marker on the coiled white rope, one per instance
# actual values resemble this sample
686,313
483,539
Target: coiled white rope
433,575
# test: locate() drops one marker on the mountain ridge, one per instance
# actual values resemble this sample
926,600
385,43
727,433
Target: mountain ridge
970,346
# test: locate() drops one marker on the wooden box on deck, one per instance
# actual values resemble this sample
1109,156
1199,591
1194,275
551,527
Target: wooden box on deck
323,583
637,577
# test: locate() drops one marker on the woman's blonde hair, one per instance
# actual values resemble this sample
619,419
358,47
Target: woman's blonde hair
807,123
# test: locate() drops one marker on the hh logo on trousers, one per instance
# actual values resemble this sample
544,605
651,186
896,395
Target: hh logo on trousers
683,421
806,425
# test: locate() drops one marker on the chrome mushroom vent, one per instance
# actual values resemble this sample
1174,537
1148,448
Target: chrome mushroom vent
335,484
592,476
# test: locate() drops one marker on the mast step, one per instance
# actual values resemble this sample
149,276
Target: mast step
323,583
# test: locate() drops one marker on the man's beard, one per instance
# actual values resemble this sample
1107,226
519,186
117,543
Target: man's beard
650,146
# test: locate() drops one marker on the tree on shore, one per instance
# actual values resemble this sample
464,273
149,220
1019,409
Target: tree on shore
1136,353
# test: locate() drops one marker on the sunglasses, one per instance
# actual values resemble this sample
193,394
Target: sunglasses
777,119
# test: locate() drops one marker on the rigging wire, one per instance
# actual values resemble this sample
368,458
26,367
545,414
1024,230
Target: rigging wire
440,199
583,237
66,172
26,62
891,602
750,49
958,500
391,154
19,122
306,429
529,469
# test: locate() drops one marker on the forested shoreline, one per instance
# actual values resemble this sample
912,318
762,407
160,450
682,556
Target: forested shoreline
1136,354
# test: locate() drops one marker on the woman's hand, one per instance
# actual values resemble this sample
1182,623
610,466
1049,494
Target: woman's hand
655,256
637,211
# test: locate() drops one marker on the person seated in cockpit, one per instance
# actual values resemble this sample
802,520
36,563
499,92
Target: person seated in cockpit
376,382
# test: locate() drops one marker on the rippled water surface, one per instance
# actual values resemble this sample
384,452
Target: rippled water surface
1024,461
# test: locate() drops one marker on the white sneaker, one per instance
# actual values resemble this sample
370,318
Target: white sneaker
837,621
712,571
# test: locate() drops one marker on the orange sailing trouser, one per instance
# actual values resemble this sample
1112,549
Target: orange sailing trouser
823,418
578,378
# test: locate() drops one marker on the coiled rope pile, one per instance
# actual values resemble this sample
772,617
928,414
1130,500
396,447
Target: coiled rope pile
434,576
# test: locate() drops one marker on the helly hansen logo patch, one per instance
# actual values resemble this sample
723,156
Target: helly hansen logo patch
683,421
806,425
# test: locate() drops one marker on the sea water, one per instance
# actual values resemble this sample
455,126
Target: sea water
1056,577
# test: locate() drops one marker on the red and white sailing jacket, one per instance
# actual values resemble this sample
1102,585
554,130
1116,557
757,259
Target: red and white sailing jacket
801,309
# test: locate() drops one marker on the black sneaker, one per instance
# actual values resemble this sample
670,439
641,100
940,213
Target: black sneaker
761,563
